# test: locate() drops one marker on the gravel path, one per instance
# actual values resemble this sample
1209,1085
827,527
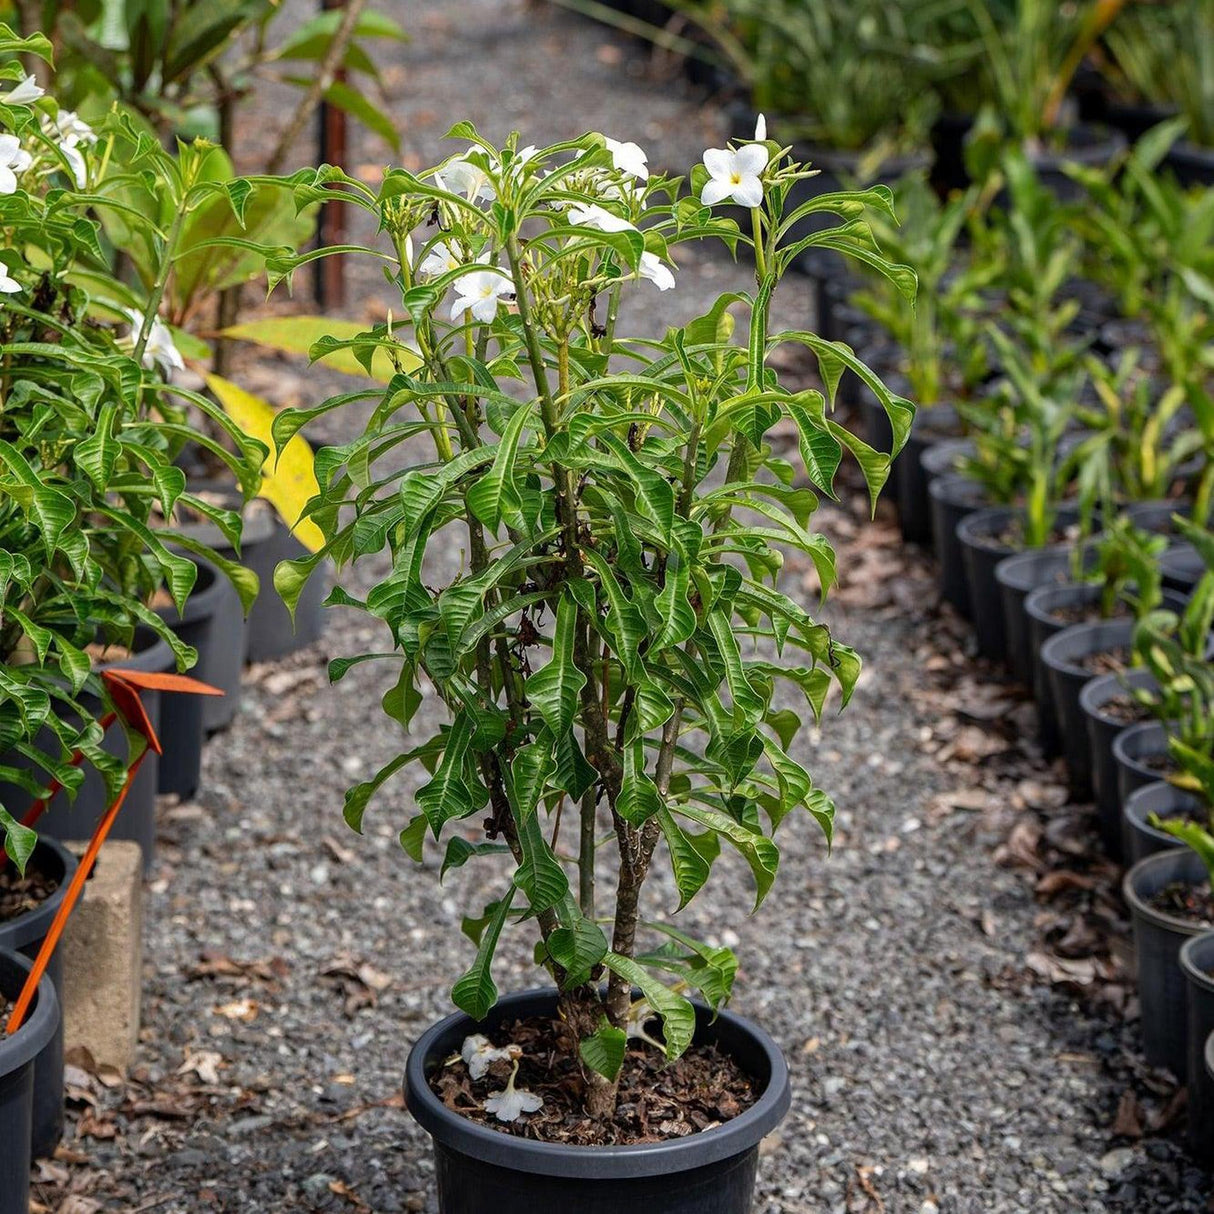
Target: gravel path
290,964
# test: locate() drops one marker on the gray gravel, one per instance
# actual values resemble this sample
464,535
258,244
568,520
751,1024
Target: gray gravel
930,1073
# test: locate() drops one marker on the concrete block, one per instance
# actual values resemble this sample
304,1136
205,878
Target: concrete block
103,957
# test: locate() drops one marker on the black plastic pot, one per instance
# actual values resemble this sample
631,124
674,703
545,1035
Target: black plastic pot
1103,728
941,458
223,663
1141,838
1157,942
482,1171
1156,515
1018,576
952,498
982,549
1197,966
1181,567
1088,145
18,1062
65,819
181,716
1193,165
25,935
948,144
271,632
1062,656
931,427
1133,747
1133,119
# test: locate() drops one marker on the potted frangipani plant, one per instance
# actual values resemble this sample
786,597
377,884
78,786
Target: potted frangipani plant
602,527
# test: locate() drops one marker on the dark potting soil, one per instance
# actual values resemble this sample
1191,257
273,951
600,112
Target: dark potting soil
1185,901
658,1101
1124,709
19,894
1162,763
1111,661
1084,613
1012,536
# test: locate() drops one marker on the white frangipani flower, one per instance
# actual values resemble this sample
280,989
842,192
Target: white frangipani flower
461,176
656,271
479,1053
512,1103
14,159
25,93
8,284
591,215
479,293
160,349
440,260
629,158
735,174
75,158
760,129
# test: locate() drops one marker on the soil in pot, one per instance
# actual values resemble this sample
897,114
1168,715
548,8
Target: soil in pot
658,1100
18,1060
1154,889
28,905
1141,755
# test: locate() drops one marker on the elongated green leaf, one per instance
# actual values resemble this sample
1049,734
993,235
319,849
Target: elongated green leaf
476,992
678,1016
554,688
604,1051
756,849
691,869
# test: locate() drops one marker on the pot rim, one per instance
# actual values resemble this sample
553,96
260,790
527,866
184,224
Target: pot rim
941,485
722,1142
1192,971
38,1029
1121,741
1005,571
1059,641
1133,811
1139,908
33,924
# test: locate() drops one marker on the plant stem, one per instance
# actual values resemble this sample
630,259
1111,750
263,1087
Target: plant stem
152,311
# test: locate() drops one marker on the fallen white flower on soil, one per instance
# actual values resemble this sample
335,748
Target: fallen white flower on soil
479,1053
511,1104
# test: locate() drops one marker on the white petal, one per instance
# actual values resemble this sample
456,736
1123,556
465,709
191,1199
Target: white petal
485,310
761,129
460,306
748,192
656,271
24,93
752,159
715,190
8,180
719,161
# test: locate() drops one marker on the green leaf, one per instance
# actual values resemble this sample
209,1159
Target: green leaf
639,798
678,1016
19,841
460,851
554,688
355,103
756,849
475,993
539,874
691,869
604,1051
495,493
578,946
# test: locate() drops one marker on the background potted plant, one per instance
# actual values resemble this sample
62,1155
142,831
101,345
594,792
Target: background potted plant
605,651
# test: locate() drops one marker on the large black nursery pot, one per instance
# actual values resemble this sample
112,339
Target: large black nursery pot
182,721
18,1062
1096,701
1192,164
1018,575
67,819
482,1171
1181,567
1141,838
24,935
1197,966
983,538
953,497
1063,656
1140,753
1158,938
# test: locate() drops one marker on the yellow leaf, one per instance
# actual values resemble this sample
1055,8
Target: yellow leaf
288,483
298,334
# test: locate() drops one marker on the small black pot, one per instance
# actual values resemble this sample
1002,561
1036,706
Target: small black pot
1018,576
1062,656
931,427
942,458
1192,164
482,1171
181,715
1091,146
136,820
948,144
1141,838
952,498
1132,747
18,1062
1181,567
1157,942
1156,515
1134,118
271,632
1103,729
982,550
1197,966
25,935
